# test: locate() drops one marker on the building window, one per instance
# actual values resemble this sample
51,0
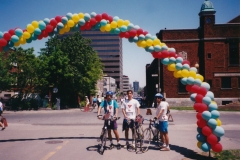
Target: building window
183,54
238,82
210,82
226,82
233,52
209,55
181,87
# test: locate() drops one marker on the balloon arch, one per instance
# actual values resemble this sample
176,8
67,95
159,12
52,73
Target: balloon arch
208,122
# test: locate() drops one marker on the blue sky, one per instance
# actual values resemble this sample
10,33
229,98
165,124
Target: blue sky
151,16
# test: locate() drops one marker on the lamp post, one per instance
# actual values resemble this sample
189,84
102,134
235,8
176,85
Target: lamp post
159,89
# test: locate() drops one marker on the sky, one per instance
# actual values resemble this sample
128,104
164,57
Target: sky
151,16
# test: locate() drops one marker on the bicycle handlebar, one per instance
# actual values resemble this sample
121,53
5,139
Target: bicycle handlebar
112,118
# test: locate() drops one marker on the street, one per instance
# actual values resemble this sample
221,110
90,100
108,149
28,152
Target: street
72,134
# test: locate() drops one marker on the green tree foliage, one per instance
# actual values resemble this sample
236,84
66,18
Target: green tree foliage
71,65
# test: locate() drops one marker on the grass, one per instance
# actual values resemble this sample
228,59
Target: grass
219,109
228,154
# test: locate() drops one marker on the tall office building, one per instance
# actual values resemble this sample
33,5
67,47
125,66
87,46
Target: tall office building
126,85
135,86
109,49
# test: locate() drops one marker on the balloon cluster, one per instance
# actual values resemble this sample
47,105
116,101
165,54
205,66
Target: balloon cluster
209,125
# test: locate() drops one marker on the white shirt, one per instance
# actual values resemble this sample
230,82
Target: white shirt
99,99
130,107
1,106
163,105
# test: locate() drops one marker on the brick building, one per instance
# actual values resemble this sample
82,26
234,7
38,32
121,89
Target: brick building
215,48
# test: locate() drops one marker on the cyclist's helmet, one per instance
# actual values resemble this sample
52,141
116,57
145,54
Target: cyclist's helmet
158,95
109,93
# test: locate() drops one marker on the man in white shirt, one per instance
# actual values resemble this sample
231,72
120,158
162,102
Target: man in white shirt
161,115
130,109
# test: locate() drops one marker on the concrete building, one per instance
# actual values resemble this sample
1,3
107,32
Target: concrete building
214,48
126,85
109,84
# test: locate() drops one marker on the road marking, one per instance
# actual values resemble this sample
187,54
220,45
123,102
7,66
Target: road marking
50,154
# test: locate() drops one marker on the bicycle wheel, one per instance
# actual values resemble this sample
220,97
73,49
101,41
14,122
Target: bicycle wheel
103,145
82,108
90,108
146,139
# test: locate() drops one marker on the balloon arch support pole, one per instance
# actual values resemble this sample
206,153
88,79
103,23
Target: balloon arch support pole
209,153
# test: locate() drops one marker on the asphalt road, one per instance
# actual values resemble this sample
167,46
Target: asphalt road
72,134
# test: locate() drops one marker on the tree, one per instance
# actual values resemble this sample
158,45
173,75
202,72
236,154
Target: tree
71,65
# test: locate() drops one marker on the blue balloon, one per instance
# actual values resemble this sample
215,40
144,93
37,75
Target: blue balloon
212,123
60,25
201,138
98,26
69,16
41,25
93,14
112,32
81,22
199,130
215,114
46,20
51,34
130,26
29,40
150,49
14,38
18,32
34,37
206,100
172,50
218,131
141,37
172,60
1,35
135,39
190,80
206,115
117,31
64,20
206,147
178,65
37,31
130,39
210,94
205,85
116,18
148,36
165,61
56,30
184,81
157,48
87,17
186,66
153,37
136,27
193,96
10,44
193,69
103,22
179,60
123,28
212,107
197,82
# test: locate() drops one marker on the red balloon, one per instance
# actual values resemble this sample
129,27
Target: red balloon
49,28
197,106
157,54
7,36
186,62
132,33
139,31
105,16
171,54
93,21
201,123
202,107
126,34
98,17
202,91
121,34
165,53
44,33
40,37
110,19
198,98
82,28
88,26
206,130
212,139
145,32
199,115
58,18
53,22
3,42
217,147
188,87
195,88
11,31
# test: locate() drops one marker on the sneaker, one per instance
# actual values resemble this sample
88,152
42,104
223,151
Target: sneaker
118,146
126,145
133,145
111,145
165,149
163,146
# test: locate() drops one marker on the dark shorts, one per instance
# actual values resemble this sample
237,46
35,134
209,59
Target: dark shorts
163,126
1,113
127,125
113,124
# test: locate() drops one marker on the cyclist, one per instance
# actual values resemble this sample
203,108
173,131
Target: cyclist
110,107
99,100
94,101
130,109
161,115
87,103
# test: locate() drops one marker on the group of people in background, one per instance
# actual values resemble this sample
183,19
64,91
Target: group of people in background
131,108
1,111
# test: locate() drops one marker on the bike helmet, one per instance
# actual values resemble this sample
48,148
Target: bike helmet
109,93
158,95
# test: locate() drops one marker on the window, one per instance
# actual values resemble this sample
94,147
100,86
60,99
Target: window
238,82
209,55
226,82
183,54
181,87
210,82
233,52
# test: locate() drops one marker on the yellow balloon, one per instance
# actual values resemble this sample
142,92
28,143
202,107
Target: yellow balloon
143,44
70,23
219,123
26,35
149,42
61,31
22,40
102,29
199,144
75,18
162,44
139,43
66,28
126,22
35,24
108,27
172,67
185,73
192,74
156,42
113,24
198,76
17,44
177,74
120,22
80,15
30,28
213,102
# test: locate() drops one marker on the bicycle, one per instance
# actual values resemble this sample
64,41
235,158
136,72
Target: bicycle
138,136
103,135
87,109
148,131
